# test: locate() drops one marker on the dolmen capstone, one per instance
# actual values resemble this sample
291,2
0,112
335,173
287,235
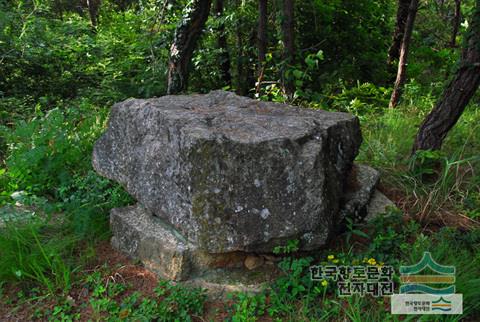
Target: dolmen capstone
222,179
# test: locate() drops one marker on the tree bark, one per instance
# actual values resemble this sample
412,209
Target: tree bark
93,7
222,45
262,31
261,41
401,20
185,40
57,8
289,44
242,40
456,95
402,63
456,23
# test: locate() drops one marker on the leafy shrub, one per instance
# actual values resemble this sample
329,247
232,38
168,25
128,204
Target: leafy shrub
360,100
86,202
391,237
425,163
248,307
49,156
179,303
44,152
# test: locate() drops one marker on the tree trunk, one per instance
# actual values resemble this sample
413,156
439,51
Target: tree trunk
186,36
58,8
289,44
251,66
402,15
222,45
93,7
262,31
456,23
242,57
402,63
261,41
457,94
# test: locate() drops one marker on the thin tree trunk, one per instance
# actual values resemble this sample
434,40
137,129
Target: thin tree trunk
401,20
288,43
457,94
242,59
222,45
262,31
185,40
402,63
58,8
456,23
251,66
93,7
261,41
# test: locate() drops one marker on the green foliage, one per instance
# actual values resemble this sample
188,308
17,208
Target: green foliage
362,100
57,59
471,203
87,201
438,181
47,165
179,303
352,35
46,150
247,308
294,284
425,163
114,301
35,252
291,247
391,237
353,229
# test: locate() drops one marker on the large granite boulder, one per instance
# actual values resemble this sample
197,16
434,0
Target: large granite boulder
229,173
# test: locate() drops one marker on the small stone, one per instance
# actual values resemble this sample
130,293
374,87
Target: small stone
253,261
17,213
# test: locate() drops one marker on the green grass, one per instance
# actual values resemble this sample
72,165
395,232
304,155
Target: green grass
434,182
37,253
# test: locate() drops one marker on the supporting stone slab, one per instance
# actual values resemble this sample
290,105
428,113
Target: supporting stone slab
361,188
379,204
219,283
140,235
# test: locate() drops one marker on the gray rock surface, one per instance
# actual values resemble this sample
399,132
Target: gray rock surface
231,173
145,237
163,250
15,214
378,205
360,188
